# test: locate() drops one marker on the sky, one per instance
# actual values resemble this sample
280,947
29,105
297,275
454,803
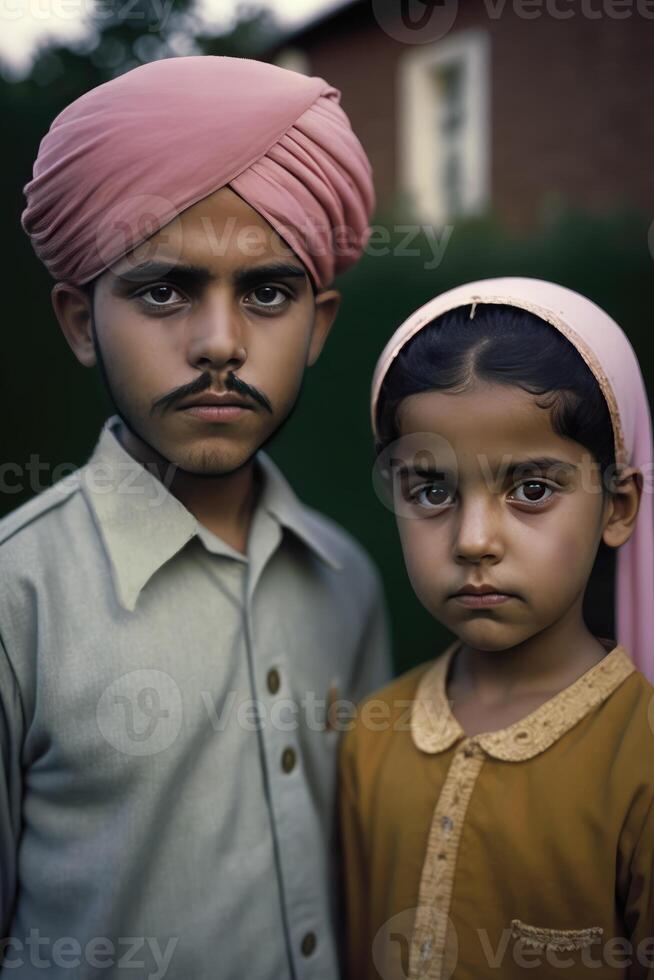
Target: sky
23,23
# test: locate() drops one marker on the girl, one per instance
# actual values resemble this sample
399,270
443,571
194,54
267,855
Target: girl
498,802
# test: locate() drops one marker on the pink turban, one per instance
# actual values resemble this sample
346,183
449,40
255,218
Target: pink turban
126,158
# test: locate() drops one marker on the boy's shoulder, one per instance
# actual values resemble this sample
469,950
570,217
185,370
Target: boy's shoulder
36,517
341,542
358,574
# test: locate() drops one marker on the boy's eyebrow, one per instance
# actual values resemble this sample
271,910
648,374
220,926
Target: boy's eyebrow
196,275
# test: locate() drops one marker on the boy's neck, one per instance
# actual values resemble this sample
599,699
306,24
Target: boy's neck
224,504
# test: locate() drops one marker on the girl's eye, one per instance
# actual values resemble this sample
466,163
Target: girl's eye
534,492
160,295
431,495
270,297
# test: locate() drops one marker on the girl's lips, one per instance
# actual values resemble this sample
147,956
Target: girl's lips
485,599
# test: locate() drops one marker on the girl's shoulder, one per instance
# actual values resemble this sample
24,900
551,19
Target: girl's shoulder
631,709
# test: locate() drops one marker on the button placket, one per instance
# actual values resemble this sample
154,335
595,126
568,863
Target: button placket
428,943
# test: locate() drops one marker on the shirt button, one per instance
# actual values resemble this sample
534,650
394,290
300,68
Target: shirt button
288,760
273,681
308,944
447,824
468,752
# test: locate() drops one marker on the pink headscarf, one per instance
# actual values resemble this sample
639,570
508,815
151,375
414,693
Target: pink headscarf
127,157
606,350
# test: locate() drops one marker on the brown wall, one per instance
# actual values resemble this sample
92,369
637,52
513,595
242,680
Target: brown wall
571,103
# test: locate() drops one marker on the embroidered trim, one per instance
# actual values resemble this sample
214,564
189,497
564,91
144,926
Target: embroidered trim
430,943
559,939
434,728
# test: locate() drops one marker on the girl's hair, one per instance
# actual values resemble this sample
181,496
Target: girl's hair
504,345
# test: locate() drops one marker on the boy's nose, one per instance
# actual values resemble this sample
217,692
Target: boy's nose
217,337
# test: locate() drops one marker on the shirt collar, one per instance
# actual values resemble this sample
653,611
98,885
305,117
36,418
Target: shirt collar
434,728
142,525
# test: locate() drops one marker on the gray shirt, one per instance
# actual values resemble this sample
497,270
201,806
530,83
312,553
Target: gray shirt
167,774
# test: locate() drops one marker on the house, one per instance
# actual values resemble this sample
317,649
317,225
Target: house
509,106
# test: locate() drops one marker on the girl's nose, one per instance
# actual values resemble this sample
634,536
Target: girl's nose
478,533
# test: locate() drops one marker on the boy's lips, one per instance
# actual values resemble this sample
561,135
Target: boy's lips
221,399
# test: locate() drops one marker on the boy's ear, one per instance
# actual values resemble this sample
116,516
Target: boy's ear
327,305
74,312
622,507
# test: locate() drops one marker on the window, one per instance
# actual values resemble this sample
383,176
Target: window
443,126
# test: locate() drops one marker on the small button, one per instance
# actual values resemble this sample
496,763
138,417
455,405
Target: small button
309,944
447,824
288,760
468,752
273,681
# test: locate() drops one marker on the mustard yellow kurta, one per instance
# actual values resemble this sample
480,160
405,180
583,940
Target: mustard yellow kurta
524,852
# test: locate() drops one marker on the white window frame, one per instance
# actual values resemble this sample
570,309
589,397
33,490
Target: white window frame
294,59
418,155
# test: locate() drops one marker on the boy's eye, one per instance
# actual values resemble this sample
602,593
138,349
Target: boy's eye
430,495
533,492
268,296
160,294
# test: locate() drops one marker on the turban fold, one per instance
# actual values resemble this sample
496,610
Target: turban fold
127,157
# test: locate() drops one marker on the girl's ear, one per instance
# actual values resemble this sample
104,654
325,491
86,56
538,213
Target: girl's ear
622,507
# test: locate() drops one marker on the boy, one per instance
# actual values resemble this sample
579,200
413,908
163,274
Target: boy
171,615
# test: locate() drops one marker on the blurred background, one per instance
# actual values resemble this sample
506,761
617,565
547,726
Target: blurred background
507,138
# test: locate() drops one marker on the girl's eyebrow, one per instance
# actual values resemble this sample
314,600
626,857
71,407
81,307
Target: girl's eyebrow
542,464
539,464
